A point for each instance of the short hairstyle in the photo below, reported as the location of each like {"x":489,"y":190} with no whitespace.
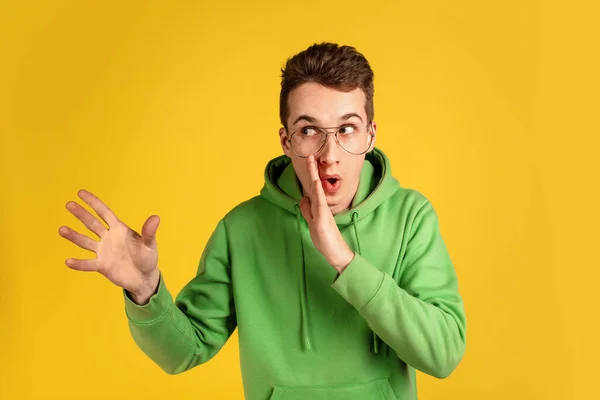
{"x":331,"y":65}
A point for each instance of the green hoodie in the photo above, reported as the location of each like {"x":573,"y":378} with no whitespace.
{"x":305,"y":331}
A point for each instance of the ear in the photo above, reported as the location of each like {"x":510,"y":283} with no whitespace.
{"x":374,"y":133}
{"x":283,"y":140}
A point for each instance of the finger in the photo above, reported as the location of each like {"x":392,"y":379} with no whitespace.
{"x":80,"y":240}
{"x":313,"y":174}
{"x":318,"y":194}
{"x":91,"y":222}
{"x":82,"y":265}
{"x":313,"y":171}
{"x":305,"y":209}
{"x":98,"y":206}
{"x":149,"y":230}
{"x":320,"y":200}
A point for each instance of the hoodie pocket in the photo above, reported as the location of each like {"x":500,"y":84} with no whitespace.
{"x":379,"y":389}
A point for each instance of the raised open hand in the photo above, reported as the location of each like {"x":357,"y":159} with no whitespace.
{"x":123,"y":256}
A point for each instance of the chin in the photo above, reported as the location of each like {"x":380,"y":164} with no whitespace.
{"x":334,"y":200}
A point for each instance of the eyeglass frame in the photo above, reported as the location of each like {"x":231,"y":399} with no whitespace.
{"x":327,"y":133}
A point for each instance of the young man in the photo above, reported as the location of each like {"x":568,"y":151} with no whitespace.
{"x":336,"y":277}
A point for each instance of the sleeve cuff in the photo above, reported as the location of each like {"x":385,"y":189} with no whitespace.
{"x":359,"y":282}
{"x":159,"y":304}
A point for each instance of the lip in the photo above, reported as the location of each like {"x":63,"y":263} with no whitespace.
{"x":331,"y":184}
{"x":326,"y":177}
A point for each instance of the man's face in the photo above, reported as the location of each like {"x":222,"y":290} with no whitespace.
{"x":314,"y":105}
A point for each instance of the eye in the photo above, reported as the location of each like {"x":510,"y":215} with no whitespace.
{"x":308,"y":131}
{"x":347,"y":129}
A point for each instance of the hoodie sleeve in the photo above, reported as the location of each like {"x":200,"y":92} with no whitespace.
{"x":180,"y":335}
{"x":422,"y":316}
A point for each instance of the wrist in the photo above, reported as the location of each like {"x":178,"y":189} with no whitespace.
{"x":343,"y":260}
{"x":141,"y":295}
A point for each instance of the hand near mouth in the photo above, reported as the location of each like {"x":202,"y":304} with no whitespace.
{"x":324,"y":232}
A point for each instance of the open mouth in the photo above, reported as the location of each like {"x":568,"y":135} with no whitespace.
{"x":331,"y":184}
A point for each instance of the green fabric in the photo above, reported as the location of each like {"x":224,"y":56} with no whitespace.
{"x":306,"y":332}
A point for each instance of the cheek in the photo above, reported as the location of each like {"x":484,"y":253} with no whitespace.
{"x":354,"y":173}
{"x":300,"y":169}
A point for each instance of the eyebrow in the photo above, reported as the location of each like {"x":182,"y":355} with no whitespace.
{"x":304,"y":117}
{"x":310,"y":119}
{"x":350,"y":115}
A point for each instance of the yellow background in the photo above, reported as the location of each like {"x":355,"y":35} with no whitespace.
{"x":489,"y":108}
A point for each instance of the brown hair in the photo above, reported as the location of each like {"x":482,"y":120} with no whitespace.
{"x":331,"y":65}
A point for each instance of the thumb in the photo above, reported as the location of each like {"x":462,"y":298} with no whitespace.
{"x":149,"y":230}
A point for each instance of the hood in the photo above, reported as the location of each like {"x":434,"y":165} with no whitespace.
{"x":283,"y":189}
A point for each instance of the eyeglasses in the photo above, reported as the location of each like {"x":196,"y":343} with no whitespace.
{"x":309,"y":140}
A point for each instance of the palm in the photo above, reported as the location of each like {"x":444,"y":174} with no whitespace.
{"x":123,"y":256}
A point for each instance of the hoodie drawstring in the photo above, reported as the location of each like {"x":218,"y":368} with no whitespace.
{"x":303,"y":297}
{"x":354,"y":218}
{"x":306,"y":340}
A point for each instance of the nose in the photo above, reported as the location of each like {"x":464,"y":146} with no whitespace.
{"x":330,"y":153}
